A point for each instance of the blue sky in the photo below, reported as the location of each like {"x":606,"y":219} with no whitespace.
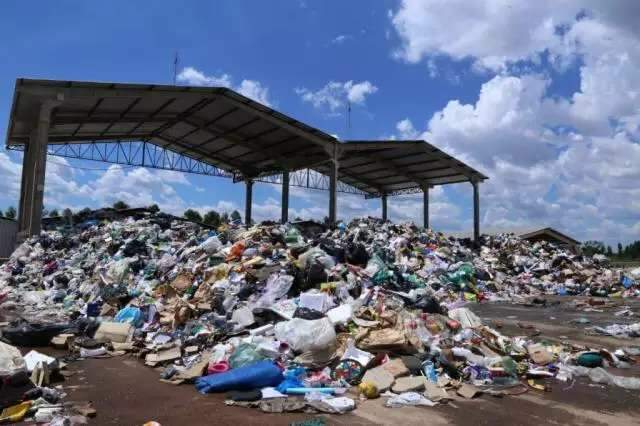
{"x":540,"y":96}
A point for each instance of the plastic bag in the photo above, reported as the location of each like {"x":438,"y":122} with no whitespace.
{"x":33,"y":334}
{"x":462,"y":275}
{"x":292,"y":379}
{"x":166,"y":262}
{"x":11,"y":360}
{"x":278,"y":285}
{"x":118,"y":270}
{"x":211,"y":245}
{"x":257,"y":375}
{"x":408,"y":398}
{"x":236,"y":251}
{"x":316,"y":254}
{"x":377,"y":270}
{"x":465,"y":317}
{"x":130,"y":315}
{"x":600,"y":375}
{"x":245,"y":354}
{"x":306,"y":335}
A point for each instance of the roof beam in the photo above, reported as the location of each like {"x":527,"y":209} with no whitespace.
{"x":251,"y":143}
{"x":324,"y":142}
{"x":390,"y":165}
{"x":88,"y":116}
{"x":267,"y":147}
{"x":227,"y":162}
{"x":129,"y":107}
{"x":152,"y":114}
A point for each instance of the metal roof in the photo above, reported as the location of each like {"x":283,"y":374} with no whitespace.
{"x":222,"y":128}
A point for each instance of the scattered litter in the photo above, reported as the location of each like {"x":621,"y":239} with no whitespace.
{"x":288,"y":317}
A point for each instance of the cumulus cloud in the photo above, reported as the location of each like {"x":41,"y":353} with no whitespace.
{"x":334,"y":95}
{"x":565,"y":161}
{"x":250,"y":88}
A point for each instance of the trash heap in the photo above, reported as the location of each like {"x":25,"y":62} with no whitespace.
{"x":298,"y":317}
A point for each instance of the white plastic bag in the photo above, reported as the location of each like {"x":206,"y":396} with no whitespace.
{"x":600,"y":375}
{"x":408,"y":398}
{"x":340,"y":315}
{"x":465,"y":317}
{"x":278,"y":286}
{"x":306,"y":335}
{"x":11,"y":360}
{"x":211,"y":245}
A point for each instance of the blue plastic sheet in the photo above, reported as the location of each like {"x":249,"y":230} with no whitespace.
{"x":252,"y":376}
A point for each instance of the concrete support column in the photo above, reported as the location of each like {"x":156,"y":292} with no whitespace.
{"x":476,"y":211}
{"x":425,"y":206}
{"x":247,"y":201}
{"x":284,"y":217}
{"x":384,"y":207}
{"x":333,"y":188}
{"x":33,"y":172}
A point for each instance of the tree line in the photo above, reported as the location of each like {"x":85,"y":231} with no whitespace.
{"x":630,"y":251}
{"x":212,"y":217}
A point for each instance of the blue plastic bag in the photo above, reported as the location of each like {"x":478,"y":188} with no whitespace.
{"x":252,"y":376}
{"x":627,"y":282}
{"x":130,"y":315}
{"x":292,"y":379}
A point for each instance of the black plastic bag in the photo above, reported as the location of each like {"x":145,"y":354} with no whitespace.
{"x":32,"y":334}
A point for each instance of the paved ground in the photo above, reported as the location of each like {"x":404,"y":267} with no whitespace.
{"x":126,"y":393}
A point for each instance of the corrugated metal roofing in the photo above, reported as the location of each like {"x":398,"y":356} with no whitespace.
{"x":220,"y":127}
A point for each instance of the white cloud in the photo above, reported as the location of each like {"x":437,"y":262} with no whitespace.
{"x":340,"y":39}
{"x":250,"y":88}
{"x":565,"y":161}
{"x":406,"y":130}
{"x":193,"y":77}
{"x":334,"y":95}
{"x":492,"y":32}
{"x":10,"y":174}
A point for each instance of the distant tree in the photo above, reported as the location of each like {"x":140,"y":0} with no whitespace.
{"x":632,"y":251}
{"x":298,"y":219}
{"x":619,"y":249}
{"x":609,"y":251}
{"x":120,"y":205}
{"x":10,"y":213}
{"x":45,"y":212}
{"x":590,"y":248}
{"x":224,"y":217}
{"x":68,"y":215}
{"x":192,"y":215}
{"x":212,"y":218}
{"x":153,"y":208}
{"x":235,"y":216}
{"x":54,"y":213}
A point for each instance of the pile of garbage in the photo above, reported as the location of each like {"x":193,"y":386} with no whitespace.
{"x":298,"y":317}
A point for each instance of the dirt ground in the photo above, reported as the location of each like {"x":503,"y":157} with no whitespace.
{"x":125,"y":392}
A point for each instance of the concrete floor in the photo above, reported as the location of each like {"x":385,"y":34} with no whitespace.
{"x":124,"y":392}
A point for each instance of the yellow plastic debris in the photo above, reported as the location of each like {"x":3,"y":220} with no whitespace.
{"x":15,"y":413}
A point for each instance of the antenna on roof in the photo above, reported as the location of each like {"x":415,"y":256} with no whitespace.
{"x":175,"y":67}
{"x":348,"y":119}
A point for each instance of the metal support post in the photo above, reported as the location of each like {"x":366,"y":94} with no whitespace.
{"x":425,"y":206}
{"x":284,"y":217}
{"x":333,"y":187}
{"x":476,"y":211}
{"x":384,"y":207}
{"x":248,"y":201}
{"x":33,"y":172}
